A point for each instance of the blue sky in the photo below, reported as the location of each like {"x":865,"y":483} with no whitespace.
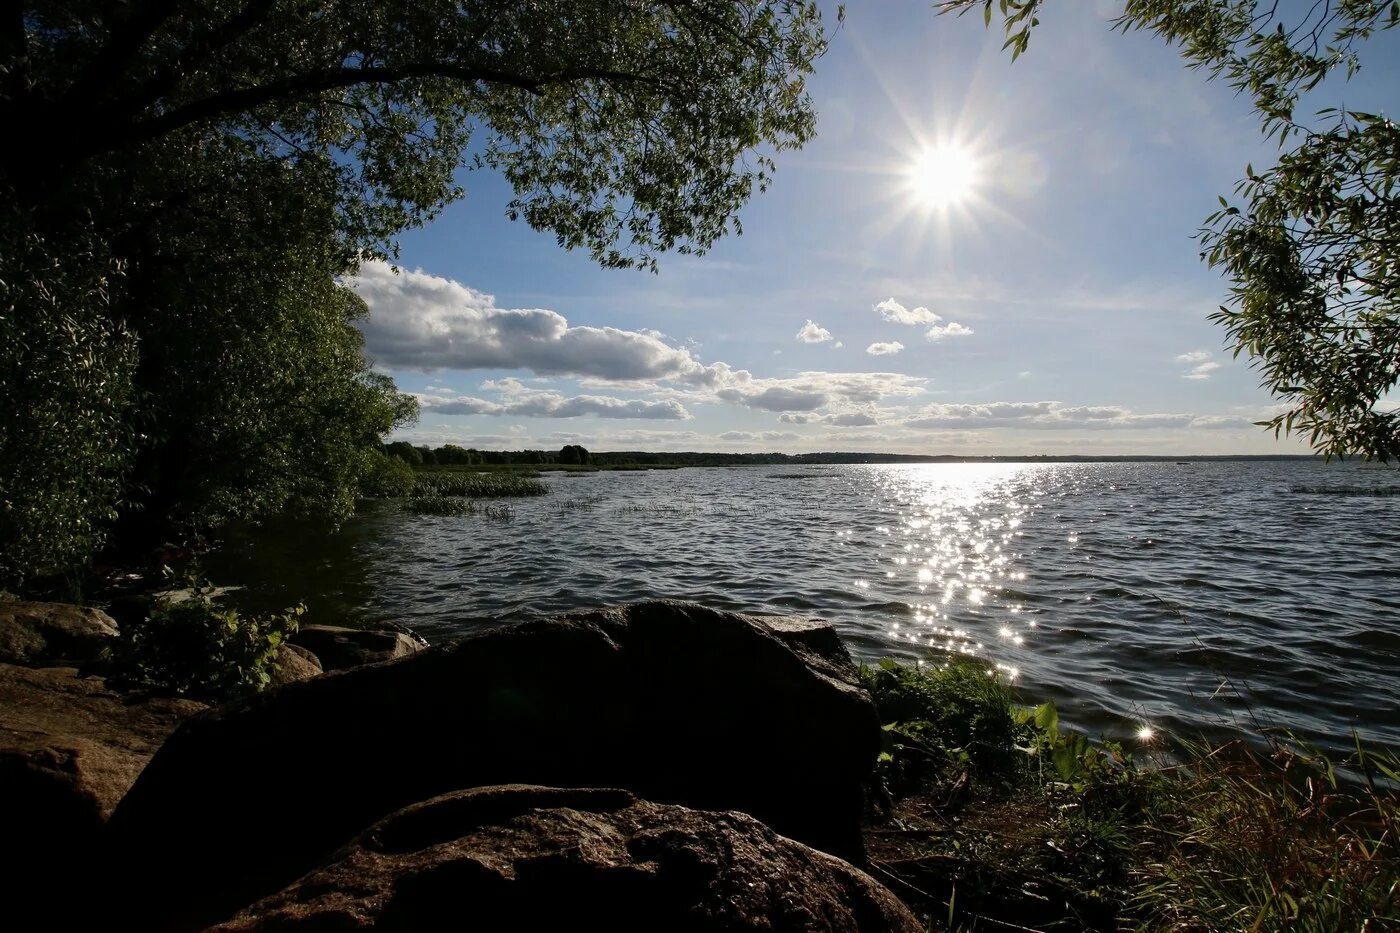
{"x":1059,"y":307}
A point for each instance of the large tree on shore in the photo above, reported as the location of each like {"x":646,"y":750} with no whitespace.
{"x":1312,"y":244}
{"x":186,"y":179}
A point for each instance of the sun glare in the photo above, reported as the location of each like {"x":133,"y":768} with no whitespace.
{"x":943,"y":176}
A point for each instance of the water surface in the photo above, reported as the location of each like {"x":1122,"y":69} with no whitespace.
{"x":1191,"y":597}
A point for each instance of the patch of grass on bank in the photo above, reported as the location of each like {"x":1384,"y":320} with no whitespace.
{"x":440,"y":505}
{"x":477,"y":485}
{"x":986,"y":813}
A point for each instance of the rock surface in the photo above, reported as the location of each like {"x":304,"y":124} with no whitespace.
{"x":673,"y":701}
{"x":52,"y":634}
{"x":536,"y":858}
{"x":339,"y":648}
{"x":294,"y":664}
{"x":69,"y":749}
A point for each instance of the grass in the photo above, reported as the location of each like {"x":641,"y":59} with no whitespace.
{"x":986,"y":813}
{"x":476,"y":485}
{"x":440,"y":505}
{"x":1379,"y":492}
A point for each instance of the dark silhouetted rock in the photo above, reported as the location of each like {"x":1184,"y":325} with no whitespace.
{"x":339,"y":648}
{"x":678,"y":703}
{"x":536,"y":858}
{"x":52,"y":634}
{"x":294,"y":664}
{"x":69,"y":749}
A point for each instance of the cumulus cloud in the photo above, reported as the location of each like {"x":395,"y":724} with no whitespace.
{"x":518,"y":401}
{"x":951,"y":329}
{"x":896,"y":313}
{"x":1201,"y":371}
{"x":884,"y":349}
{"x":1049,"y":415}
{"x":423,"y":321}
{"x":1194,"y":356}
{"x":812,"y":332}
{"x":851,"y":419}
{"x":750,"y":436}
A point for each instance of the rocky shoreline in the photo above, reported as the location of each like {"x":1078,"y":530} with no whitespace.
{"x":654,"y":766}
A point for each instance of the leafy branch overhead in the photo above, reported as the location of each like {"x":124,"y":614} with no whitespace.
{"x":1311,"y":245}
{"x":626,"y":128}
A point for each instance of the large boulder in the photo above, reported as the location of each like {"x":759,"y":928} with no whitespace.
{"x":294,"y":664}
{"x":339,"y":647}
{"x":69,"y":749}
{"x":52,"y":634}
{"x":676,"y":702}
{"x":536,"y":858}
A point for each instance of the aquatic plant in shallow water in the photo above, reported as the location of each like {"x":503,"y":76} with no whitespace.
{"x":477,"y":485}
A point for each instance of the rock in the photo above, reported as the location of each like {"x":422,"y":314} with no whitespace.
{"x":678,"y":703}
{"x":69,"y":749}
{"x":294,"y":664}
{"x":52,"y":634}
{"x":536,"y":858}
{"x":339,"y":648}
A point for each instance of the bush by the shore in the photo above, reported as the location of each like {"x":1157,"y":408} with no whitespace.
{"x":989,"y":810}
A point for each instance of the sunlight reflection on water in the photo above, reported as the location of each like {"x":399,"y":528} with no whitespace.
{"x":1126,"y":592}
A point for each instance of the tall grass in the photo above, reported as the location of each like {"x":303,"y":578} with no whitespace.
{"x":477,"y":485}
{"x":1269,"y":835}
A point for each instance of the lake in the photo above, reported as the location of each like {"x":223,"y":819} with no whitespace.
{"x":1192,"y":597}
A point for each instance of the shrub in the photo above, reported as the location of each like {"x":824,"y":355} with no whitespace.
{"x":386,"y":477}
{"x":195,"y":648}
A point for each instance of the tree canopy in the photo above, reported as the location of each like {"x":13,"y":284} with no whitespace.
{"x":1312,"y":244}
{"x":196,"y":176}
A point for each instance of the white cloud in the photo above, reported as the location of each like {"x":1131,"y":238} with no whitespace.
{"x":837,"y":345}
{"x":951,"y":329}
{"x":1194,"y":356}
{"x":1049,"y":415}
{"x":851,"y":419}
{"x":896,"y":313}
{"x":884,"y":349}
{"x":518,"y":401}
{"x":750,"y":436}
{"x":812,"y":332}
{"x":423,"y":321}
{"x":1202,"y":371}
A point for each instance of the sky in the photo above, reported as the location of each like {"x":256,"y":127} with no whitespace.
{"x":973,"y":257}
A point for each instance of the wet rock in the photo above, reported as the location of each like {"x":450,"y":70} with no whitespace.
{"x":294,"y":664}
{"x":673,"y":701}
{"x":536,"y":858}
{"x":52,"y":634}
{"x":69,"y":749}
{"x":339,"y":648}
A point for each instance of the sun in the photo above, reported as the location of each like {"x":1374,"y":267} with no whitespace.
{"x":943,"y":176}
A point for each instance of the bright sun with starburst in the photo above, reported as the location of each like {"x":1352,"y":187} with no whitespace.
{"x":943,"y":176}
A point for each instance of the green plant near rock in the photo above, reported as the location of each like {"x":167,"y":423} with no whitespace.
{"x":998,"y":816}
{"x":199,"y":649}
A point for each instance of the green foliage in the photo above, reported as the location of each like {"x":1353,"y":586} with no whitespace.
{"x":574,"y":454}
{"x":477,"y":485}
{"x":1312,"y":245}
{"x":940,"y":718}
{"x":386,"y":477}
{"x":440,"y":505}
{"x":1212,"y":838}
{"x":66,"y":380}
{"x":195,"y":648}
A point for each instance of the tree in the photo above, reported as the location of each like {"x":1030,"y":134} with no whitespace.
{"x":574,"y":454}
{"x":196,"y":175}
{"x":1312,"y":246}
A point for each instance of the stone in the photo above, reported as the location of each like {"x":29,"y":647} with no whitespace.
{"x":294,"y":664}
{"x":537,"y":858}
{"x":52,"y":634}
{"x":339,"y":647}
{"x":673,"y":701}
{"x":69,"y":749}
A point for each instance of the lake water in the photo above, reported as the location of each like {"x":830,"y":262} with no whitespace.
{"x":1191,"y":597}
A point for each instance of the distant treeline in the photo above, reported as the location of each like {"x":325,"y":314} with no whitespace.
{"x":573,"y":454}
